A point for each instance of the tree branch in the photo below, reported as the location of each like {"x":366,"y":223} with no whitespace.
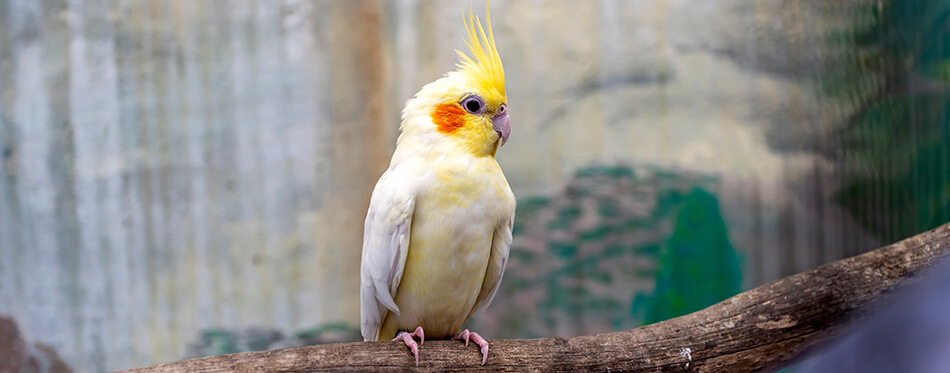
{"x":762,"y":329}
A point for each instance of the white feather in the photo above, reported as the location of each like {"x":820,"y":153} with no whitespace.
{"x":385,"y":246}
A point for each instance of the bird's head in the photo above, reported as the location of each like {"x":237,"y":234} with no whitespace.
{"x":467,"y":109}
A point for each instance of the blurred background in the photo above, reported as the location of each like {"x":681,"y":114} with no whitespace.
{"x":189,"y":178}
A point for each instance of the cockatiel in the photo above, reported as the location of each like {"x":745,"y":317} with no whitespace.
{"x":438,"y":229}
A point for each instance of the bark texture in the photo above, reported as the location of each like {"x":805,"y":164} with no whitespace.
{"x":763,"y":329}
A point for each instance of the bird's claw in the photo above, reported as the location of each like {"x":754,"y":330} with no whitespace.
{"x":465,"y":334}
{"x":407,"y":338}
{"x":481,"y":342}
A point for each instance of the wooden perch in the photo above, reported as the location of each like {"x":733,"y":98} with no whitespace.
{"x":765,"y":328}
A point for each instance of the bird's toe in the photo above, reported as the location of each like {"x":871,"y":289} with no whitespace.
{"x":467,"y":335}
{"x":411,"y":343}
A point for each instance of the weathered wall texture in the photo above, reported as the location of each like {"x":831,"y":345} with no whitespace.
{"x":171,"y":166}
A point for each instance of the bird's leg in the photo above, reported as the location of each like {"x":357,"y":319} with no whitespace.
{"x":481,"y":342}
{"x":406,"y":338}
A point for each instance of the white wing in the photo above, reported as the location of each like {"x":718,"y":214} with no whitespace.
{"x":500,"y":244}
{"x":385,"y":246}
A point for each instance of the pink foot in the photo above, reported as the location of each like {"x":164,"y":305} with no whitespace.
{"x":406,"y":338}
{"x":481,"y":342}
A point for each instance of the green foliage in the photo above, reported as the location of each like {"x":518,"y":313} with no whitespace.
{"x":896,"y":143}
{"x":699,"y":266}
{"x":586,"y":260}
{"x":321,"y":331}
{"x":528,"y":207}
{"x":218,"y":342}
{"x":215,"y":341}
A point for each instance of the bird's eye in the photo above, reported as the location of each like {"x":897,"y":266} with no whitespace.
{"x":473,"y":104}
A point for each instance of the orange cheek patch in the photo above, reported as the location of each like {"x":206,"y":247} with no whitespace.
{"x":448,"y":117}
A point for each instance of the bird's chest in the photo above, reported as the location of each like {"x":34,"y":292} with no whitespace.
{"x":456,"y":217}
{"x":466,"y":202}
{"x":453,"y":226}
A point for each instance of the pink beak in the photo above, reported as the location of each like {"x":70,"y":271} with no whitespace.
{"x":502,"y":124}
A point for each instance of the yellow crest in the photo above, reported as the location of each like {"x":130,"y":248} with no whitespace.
{"x":483,"y":68}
